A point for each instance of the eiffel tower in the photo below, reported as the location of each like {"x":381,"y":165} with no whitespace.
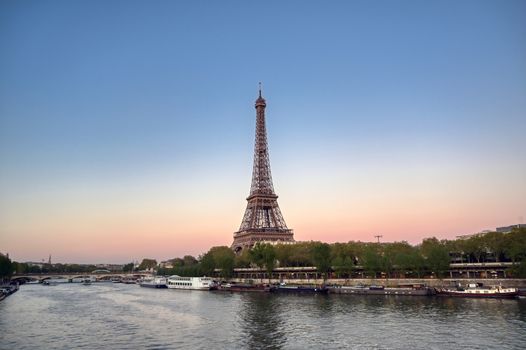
{"x":263,"y":221}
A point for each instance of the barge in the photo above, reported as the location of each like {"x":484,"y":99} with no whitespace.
{"x":244,"y":287}
{"x":477,"y":290}
{"x":415,"y":290}
{"x":284,"y":288}
{"x":153,"y":282}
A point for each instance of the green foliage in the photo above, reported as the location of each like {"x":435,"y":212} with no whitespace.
{"x":128,"y":267}
{"x":436,"y":255}
{"x":475,"y":246}
{"x":147,"y":264}
{"x":6,"y":267}
{"x":189,"y":260}
{"x":372,"y":259}
{"x":284,"y":253}
{"x":243,"y":259}
{"x":514,"y":245}
{"x":264,"y":256}
{"x":207,"y":264}
{"x":301,"y":254}
{"x":321,"y":255}
{"x":338,"y":266}
{"x":222,"y":258}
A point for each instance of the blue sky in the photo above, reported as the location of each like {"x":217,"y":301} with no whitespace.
{"x":112,"y":101}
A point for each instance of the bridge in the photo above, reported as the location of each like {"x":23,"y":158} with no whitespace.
{"x":99,"y":276}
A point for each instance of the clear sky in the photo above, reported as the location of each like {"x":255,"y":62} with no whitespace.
{"x":127,"y":127}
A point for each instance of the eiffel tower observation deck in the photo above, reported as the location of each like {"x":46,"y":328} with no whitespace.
{"x":263,"y":221}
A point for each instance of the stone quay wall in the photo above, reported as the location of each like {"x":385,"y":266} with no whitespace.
{"x":394,"y":282}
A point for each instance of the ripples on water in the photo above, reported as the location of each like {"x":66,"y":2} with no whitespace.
{"x":118,"y":316}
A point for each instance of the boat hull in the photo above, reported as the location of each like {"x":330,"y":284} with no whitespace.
{"x":385,"y":291}
{"x":300,"y":289}
{"x":188,"y":288}
{"x":246,"y":288}
{"x":160,"y":286}
{"x":459,"y":294}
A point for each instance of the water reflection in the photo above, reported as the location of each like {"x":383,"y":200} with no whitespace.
{"x":129,"y":317}
{"x":261,"y":321}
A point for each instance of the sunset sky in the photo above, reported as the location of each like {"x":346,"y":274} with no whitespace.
{"x":127,"y":127}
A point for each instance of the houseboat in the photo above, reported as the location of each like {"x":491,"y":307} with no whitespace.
{"x":286,"y":288}
{"x":477,"y":290}
{"x":412,"y":290}
{"x":153,"y":282}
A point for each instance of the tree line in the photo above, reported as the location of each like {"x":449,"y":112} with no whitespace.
{"x":398,"y":259}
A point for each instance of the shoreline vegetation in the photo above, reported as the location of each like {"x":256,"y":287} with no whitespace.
{"x":429,"y":259}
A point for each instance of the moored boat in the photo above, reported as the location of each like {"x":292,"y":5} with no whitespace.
{"x":477,"y":290}
{"x":153,"y":282}
{"x":7,"y":290}
{"x":285,"y":288}
{"x":412,"y":290}
{"x":192,"y":283}
{"x":244,"y":287}
{"x":129,"y":280}
{"x":56,"y":280}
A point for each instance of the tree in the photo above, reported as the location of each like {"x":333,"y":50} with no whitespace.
{"x":436,"y":255}
{"x":515,"y":245}
{"x":400,"y":256}
{"x":6,"y":267}
{"x":220,"y":257}
{"x":284,"y":253}
{"x":189,"y":260}
{"x":301,"y":254}
{"x":147,"y":264}
{"x":338,"y":266}
{"x":321,"y":256}
{"x":207,"y":264}
{"x":224,"y":259}
{"x":128,"y":267}
{"x":243,"y":259}
{"x":475,"y":247}
{"x":494,"y":243}
{"x":264,"y":256}
{"x":372,"y":259}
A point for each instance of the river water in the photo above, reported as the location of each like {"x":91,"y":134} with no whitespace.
{"x":119,"y":316}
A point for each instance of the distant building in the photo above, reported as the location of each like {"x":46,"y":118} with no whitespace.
{"x":110,"y":267}
{"x":506,"y":229}
{"x":166,"y":264}
{"x":482,"y":233}
{"x":38,"y":264}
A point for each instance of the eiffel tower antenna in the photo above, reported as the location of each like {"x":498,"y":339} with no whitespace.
{"x":263,"y":221}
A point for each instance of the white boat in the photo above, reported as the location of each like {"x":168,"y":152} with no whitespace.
{"x":153,"y":282}
{"x":477,"y":290}
{"x":55,"y":280}
{"x":82,"y":279}
{"x":194,"y":283}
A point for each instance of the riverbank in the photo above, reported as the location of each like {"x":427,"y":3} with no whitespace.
{"x":7,"y":290}
{"x":395,"y":282}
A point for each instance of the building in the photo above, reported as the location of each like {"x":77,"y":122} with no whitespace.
{"x":507,"y":229}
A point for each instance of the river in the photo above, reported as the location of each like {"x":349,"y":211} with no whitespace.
{"x":119,"y":316}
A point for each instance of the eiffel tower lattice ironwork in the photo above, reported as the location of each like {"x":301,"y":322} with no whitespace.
{"x":263,"y":221}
